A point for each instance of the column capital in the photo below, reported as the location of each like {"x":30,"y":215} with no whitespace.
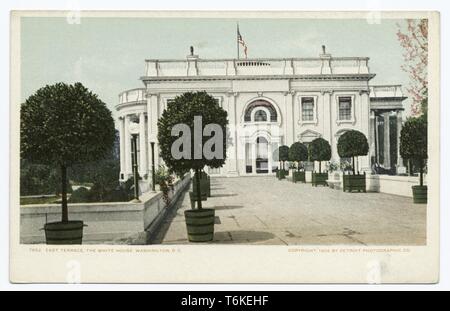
{"x":234,"y":94}
{"x":367,"y":91}
{"x":149,"y":94}
{"x":290,"y":92}
{"x":326,"y":91}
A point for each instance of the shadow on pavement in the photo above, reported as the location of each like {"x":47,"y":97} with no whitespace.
{"x":225,"y":207}
{"x":242,"y":236}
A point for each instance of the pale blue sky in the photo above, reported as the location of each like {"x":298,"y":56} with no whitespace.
{"x":107,"y":54}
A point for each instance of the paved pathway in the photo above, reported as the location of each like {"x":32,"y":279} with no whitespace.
{"x":263,"y":210}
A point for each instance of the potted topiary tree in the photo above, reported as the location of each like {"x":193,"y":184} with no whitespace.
{"x":413,"y":146}
{"x":298,"y":153}
{"x":319,"y":150}
{"x":352,"y":144}
{"x":282,"y":154}
{"x":187,"y":144}
{"x":63,"y":125}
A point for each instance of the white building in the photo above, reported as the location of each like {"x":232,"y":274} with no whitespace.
{"x":270,"y":102}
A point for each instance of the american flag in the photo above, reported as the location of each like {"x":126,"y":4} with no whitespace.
{"x":241,"y":41}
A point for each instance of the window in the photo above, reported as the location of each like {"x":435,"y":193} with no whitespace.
{"x":345,"y":108}
{"x":260,"y":116}
{"x":260,"y":103}
{"x":307,"y":109}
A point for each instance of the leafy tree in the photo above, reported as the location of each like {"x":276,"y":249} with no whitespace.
{"x":62,"y":125}
{"x":319,"y":150}
{"x":352,"y":144}
{"x":413,"y":142}
{"x":298,"y":153}
{"x":183,"y":110}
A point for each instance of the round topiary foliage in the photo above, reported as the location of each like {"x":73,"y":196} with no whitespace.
{"x":319,"y":150}
{"x":413,"y":139}
{"x":183,"y":110}
{"x":298,"y":152}
{"x":352,"y":144}
{"x":283,"y":153}
{"x":62,"y":125}
{"x":414,"y":143}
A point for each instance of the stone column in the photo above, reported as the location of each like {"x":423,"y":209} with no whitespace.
{"x":400,"y":168}
{"x":364,"y":125}
{"x":254,"y":157}
{"x":372,"y":135}
{"x":153,"y":115}
{"x":386,"y":141}
{"x":289,"y":118}
{"x":142,"y":146}
{"x":127,"y":136}
{"x":232,"y":149}
{"x":269,"y":157}
{"x":122,"y":147}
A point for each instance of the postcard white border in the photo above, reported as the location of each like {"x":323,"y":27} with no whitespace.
{"x":229,"y":263}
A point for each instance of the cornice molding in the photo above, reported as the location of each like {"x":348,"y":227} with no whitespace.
{"x":321,"y":77}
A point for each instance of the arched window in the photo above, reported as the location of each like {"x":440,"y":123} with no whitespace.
{"x":260,"y":115}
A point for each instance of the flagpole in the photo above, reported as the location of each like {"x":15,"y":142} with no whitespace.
{"x":237,"y":39}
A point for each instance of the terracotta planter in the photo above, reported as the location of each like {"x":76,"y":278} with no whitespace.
{"x":200,"y":224}
{"x":64,"y":233}
{"x":420,"y":194}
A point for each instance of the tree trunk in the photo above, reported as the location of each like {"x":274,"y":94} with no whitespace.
{"x":353,"y":165}
{"x":320,"y":167}
{"x":199,"y":194}
{"x":421,"y":172}
{"x":65,"y":211}
{"x":298,"y":166}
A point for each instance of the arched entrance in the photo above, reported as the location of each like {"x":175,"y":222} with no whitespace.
{"x":262,"y":159}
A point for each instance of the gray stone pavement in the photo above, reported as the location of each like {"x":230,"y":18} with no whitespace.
{"x":264,"y":210}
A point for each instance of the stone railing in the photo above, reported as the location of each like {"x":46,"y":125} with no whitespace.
{"x":115,"y":222}
{"x":397,"y":185}
{"x":244,"y":67}
{"x":130,"y":96}
{"x":386,"y":91}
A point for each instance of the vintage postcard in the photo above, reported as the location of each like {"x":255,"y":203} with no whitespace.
{"x":224,"y":147}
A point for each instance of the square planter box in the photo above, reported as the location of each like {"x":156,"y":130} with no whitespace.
{"x":355,"y":182}
{"x":281,"y":174}
{"x":298,"y":176}
{"x":319,"y":179}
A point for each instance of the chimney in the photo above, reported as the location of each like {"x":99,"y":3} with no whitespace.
{"x":192,"y":56}
{"x":324,"y":54}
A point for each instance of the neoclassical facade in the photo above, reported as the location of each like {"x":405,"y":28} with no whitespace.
{"x":270,"y":102}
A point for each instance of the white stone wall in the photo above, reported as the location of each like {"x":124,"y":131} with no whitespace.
{"x":105,"y":221}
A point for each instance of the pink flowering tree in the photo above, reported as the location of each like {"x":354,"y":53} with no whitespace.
{"x":414,"y":40}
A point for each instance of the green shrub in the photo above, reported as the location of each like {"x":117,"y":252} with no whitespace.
{"x":80,"y":195}
{"x":298,"y":153}
{"x":319,"y":150}
{"x":183,"y":110}
{"x":352,"y":144}
{"x":414,"y":142}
